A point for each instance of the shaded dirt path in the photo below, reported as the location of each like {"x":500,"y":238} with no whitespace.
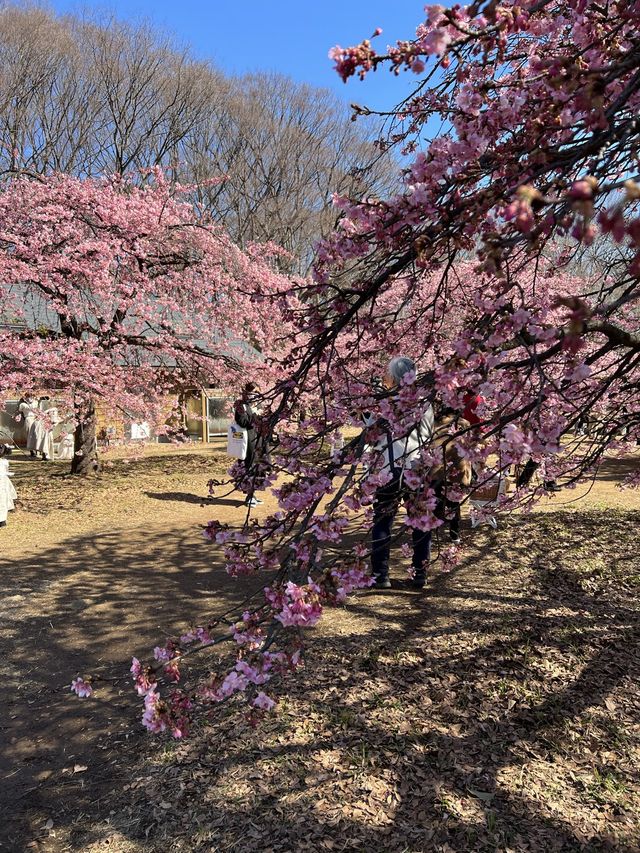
{"x":84,"y":588}
{"x":500,"y":706}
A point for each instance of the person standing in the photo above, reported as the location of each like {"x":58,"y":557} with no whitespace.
{"x":8,"y":494}
{"x":42,"y":430}
{"x":399,"y":452}
{"x":471,"y":401}
{"x":450,"y":470}
{"x":28,"y":414}
{"x":247,"y":417}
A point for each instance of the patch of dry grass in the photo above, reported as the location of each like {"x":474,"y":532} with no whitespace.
{"x":498,"y":711}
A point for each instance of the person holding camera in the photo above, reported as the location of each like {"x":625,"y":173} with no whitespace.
{"x":247,"y":417}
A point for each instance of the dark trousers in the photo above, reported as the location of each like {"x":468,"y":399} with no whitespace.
{"x":385,"y":506}
{"x":448,"y":511}
{"x":249,"y":460}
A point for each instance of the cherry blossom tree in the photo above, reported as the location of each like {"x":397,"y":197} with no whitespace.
{"x":91,"y":95}
{"x":508,"y":264}
{"x":120,"y":294}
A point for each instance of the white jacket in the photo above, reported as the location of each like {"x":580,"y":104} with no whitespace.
{"x":402,"y":452}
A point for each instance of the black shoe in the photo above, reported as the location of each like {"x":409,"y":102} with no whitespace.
{"x":417,"y":581}
{"x":551,"y":486}
{"x":382,"y":583}
{"x":454,"y":536}
{"x":32,"y":454}
{"x":3,"y":523}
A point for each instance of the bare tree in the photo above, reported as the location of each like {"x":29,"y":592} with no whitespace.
{"x":286,"y":148}
{"x":94,"y":97}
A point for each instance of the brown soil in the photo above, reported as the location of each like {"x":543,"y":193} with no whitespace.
{"x":498,"y":710}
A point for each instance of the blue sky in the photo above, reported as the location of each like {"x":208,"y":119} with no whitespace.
{"x":282,"y":35}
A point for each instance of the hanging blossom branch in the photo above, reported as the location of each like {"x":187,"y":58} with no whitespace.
{"x":507,"y":266}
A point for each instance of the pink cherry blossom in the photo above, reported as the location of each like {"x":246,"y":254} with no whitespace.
{"x":263,"y":702}
{"x":81,"y":688}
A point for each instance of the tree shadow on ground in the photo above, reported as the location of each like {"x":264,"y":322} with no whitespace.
{"x":463,"y":717}
{"x":615,"y":470}
{"x":188,"y":497}
{"x":182,"y":497}
{"x":471,"y":726}
{"x":86,"y":607}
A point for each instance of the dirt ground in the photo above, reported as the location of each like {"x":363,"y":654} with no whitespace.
{"x":498,"y":710}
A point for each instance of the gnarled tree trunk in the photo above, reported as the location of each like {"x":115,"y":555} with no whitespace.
{"x":85,"y":448}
